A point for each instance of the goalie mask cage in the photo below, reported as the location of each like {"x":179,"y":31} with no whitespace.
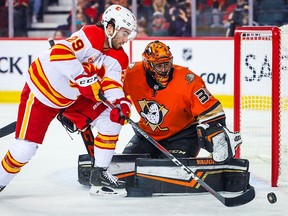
{"x":261,"y":96}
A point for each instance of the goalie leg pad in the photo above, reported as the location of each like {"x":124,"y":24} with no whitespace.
{"x":219,"y":141}
{"x":122,"y":166}
{"x":164,"y":177}
{"x":85,"y":163}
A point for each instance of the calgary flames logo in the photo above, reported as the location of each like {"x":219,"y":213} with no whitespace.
{"x":153,"y":113}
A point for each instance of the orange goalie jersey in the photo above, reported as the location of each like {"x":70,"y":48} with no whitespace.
{"x":162,"y":117}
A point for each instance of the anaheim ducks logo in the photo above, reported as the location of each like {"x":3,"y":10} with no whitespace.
{"x":190,"y":77}
{"x":153,"y":113}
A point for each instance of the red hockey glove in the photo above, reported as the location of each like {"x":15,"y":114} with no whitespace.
{"x":121,"y":110}
{"x":89,"y":82}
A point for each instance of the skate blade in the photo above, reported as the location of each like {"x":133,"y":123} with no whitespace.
{"x":107,"y":191}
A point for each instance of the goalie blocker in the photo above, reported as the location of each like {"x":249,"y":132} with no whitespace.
{"x":145,"y":176}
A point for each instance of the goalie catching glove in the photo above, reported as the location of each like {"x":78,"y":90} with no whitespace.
{"x":120,"y":111}
{"x":219,"y":141}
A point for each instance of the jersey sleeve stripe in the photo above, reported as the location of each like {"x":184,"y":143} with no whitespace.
{"x":61,"y":53}
{"x":41,"y":82}
{"x":108,"y":83}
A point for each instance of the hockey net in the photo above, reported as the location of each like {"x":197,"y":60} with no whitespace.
{"x":261,"y":97}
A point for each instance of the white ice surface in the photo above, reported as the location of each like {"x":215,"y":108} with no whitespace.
{"x":47,"y":185}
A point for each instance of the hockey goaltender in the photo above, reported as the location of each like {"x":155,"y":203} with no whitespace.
{"x":197,"y":121}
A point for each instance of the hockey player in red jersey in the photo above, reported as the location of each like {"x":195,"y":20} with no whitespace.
{"x":176,"y":109}
{"x":92,"y":59}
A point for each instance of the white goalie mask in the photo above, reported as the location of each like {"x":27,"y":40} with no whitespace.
{"x":122,"y":18}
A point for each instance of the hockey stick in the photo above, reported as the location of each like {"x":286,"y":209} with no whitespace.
{"x":241,"y":199}
{"x":8,"y":129}
{"x":51,"y":42}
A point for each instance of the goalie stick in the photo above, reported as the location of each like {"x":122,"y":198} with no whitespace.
{"x":241,"y":199}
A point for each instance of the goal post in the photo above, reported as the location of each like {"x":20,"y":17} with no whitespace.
{"x":261,"y":96}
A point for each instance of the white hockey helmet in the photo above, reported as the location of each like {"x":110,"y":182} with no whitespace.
{"x":122,"y":18}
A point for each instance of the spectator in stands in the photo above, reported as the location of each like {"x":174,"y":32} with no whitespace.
{"x":180,"y":24}
{"x":221,"y":4}
{"x":146,"y":2}
{"x":141,"y":28}
{"x":21,"y":19}
{"x":58,"y":34}
{"x":204,"y":14}
{"x":159,"y":6}
{"x":239,"y":17}
{"x":3,"y":18}
{"x":123,"y":3}
{"x":62,"y":31}
{"x":36,"y":9}
{"x":227,"y":14}
{"x":100,"y":9}
{"x":81,"y":18}
{"x":144,"y":11}
{"x":159,"y":26}
{"x":90,"y":10}
{"x":216,"y":14}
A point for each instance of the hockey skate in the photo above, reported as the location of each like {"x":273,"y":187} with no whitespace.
{"x":104,"y":183}
{"x":2,"y":188}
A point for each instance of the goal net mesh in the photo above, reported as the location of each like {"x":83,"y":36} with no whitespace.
{"x":255,"y":91}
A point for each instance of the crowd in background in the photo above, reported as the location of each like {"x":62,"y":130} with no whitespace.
{"x":155,"y":17}
{"x":25,"y":12}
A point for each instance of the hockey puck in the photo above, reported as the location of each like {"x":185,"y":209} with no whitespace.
{"x":271,"y":197}
{"x":139,"y":192}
